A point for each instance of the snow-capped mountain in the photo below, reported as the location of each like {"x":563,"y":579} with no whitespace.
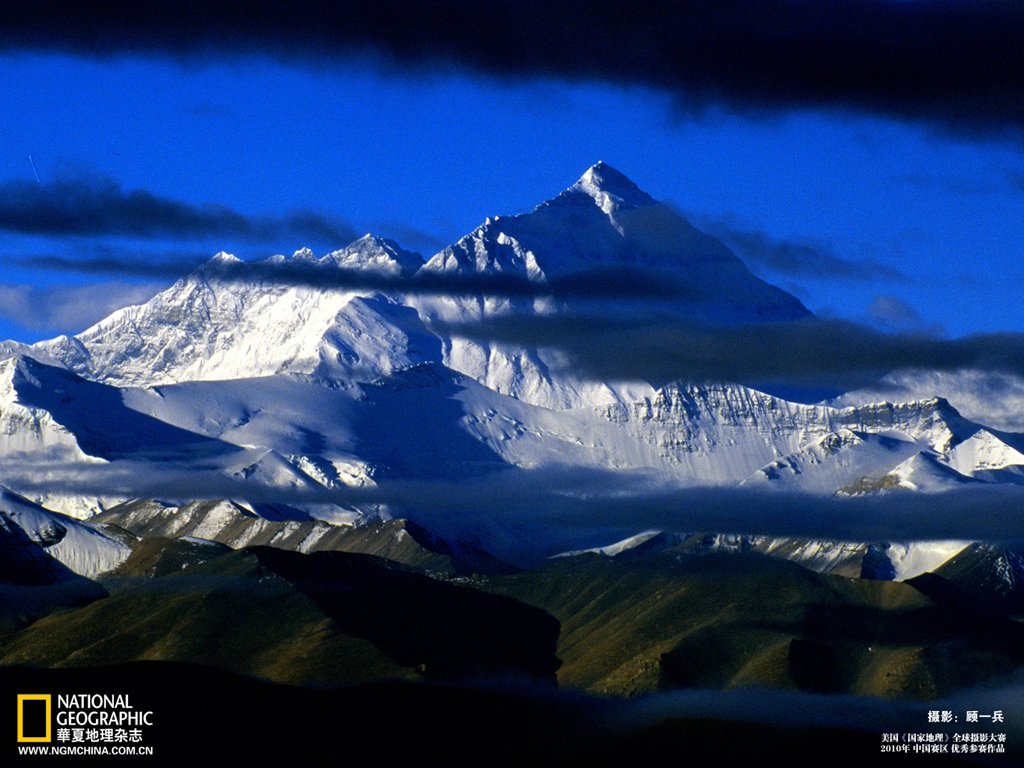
{"x":300,"y":388}
{"x":601,"y":223}
{"x":205,"y":328}
{"x":79,"y":546}
{"x":993,"y":398}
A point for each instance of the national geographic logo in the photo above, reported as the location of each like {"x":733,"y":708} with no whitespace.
{"x":35,"y":711}
{"x":81,"y":718}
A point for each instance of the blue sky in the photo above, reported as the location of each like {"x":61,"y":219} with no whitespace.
{"x":425,"y":155}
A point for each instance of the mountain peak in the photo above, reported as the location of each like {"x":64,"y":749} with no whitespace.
{"x":610,"y":189}
{"x":376,"y":253}
{"x":374,"y":239}
{"x":216,"y":263}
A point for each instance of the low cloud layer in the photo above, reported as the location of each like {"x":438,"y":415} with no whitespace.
{"x":638,"y":344}
{"x":830,"y":353}
{"x":957,"y":64}
{"x":594,"y":284}
{"x":545,"y":510}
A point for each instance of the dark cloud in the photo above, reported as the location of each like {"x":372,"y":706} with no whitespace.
{"x":800,"y":259}
{"x":812,"y":352}
{"x":649,"y":339}
{"x":96,"y":206}
{"x":93,"y":206}
{"x":595,"y":284}
{"x":631,"y":342}
{"x":958,"y":64}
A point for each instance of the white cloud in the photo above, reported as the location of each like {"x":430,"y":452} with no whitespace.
{"x":66,"y":308}
{"x":892,"y":313}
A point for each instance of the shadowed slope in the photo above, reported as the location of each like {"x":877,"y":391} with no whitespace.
{"x":327,"y":618}
{"x":726,"y":621}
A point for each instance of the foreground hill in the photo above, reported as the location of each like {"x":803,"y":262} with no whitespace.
{"x":319,"y":619}
{"x":673,"y":620}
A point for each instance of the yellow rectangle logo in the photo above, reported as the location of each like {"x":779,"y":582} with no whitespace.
{"x":37,"y":731}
